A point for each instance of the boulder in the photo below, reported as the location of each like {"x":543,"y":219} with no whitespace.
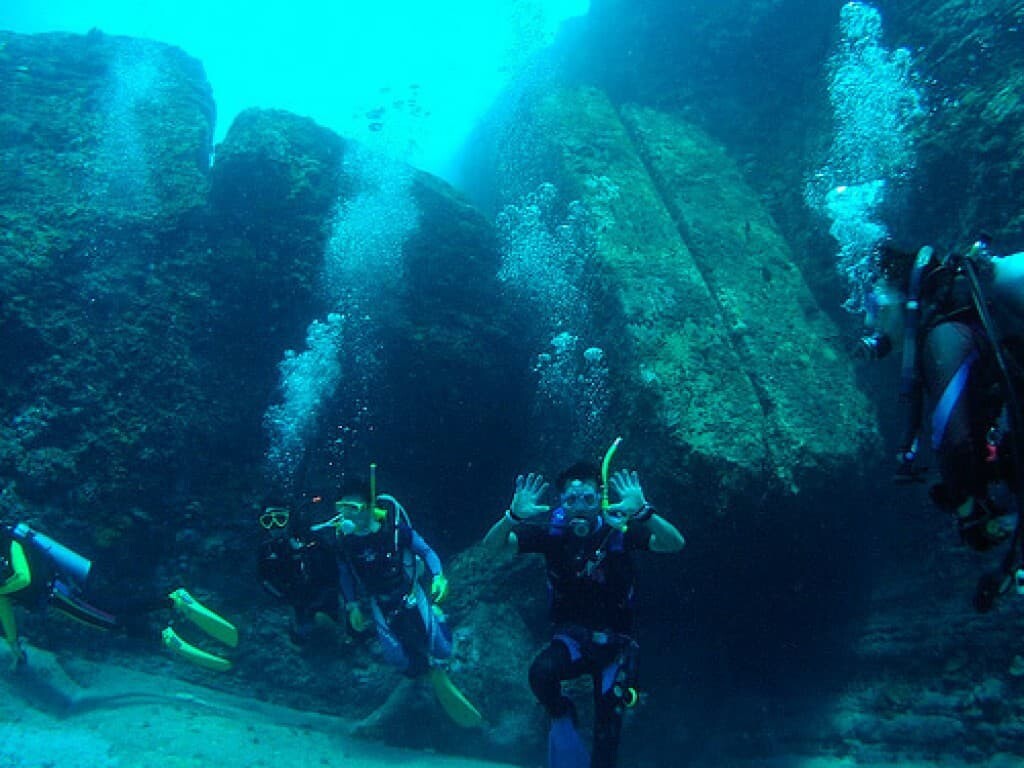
{"x":105,"y":148}
{"x":724,"y":364}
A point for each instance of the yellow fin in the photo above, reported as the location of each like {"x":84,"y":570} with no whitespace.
{"x":212,"y":624}
{"x":452,"y":701}
{"x":191,"y":654}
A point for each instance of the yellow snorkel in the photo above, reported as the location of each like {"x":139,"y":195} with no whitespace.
{"x":378,"y":513}
{"x":373,"y":487}
{"x":613,"y":520}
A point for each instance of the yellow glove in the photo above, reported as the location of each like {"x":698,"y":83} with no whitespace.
{"x":356,"y":620}
{"x":439,"y":588}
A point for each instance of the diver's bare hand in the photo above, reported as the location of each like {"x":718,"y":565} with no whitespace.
{"x":529,"y":490}
{"x":631,"y":496}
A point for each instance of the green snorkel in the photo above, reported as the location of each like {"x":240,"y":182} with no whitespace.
{"x":373,"y":486}
{"x":376,"y":513}
{"x":614,"y":520}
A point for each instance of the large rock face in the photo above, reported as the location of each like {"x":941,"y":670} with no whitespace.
{"x":100,"y":134}
{"x":731,"y":369}
{"x":971,"y":149}
{"x":147,"y":300}
{"x":105,"y":146}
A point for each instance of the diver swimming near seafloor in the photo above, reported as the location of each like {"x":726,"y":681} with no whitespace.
{"x":37,"y":572}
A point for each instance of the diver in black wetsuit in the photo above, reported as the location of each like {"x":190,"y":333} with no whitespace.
{"x":298,"y":568}
{"x":587,"y":545}
{"x":960,"y":321}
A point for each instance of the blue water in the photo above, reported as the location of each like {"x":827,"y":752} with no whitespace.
{"x":413,"y":77}
{"x":457,"y":356}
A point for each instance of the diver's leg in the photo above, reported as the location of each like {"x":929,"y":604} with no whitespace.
{"x":436,"y":631}
{"x":607,"y":713}
{"x":560,"y":660}
{"x":390,"y":644}
{"x":70,"y":602}
{"x":951,"y":366}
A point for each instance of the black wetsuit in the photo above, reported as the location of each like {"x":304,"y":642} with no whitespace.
{"x":592,"y":589}
{"x":379,"y":569}
{"x":958,"y":375}
{"x":304,"y":574}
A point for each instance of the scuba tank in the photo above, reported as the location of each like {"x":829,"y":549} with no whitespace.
{"x":65,"y":560}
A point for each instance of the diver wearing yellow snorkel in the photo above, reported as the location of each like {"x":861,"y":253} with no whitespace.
{"x":38,"y":572}
{"x":381,"y":559}
{"x":586,"y":542}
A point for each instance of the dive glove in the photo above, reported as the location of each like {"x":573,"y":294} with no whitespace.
{"x":439,"y":588}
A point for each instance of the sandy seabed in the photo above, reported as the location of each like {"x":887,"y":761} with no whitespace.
{"x":101,"y":716}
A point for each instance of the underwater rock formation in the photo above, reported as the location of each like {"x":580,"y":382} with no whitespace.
{"x":971,"y":168}
{"x":730,"y":370}
{"x":105,"y":145}
{"x":301,"y":222}
{"x":149,"y":297}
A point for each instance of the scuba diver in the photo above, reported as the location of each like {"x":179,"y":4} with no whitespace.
{"x":37,"y":572}
{"x":381,"y":559}
{"x":298,"y":568}
{"x":959,"y":320}
{"x":587,"y":544}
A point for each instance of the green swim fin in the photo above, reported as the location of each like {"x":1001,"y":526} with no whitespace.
{"x":452,"y":701}
{"x":191,"y":654}
{"x":215,"y":626}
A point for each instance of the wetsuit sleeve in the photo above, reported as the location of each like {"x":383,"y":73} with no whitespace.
{"x":428,"y":555}
{"x":638,"y":537}
{"x":7,"y":622}
{"x":20,"y":576}
{"x":1007,"y":289}
{"x":531,"y":538}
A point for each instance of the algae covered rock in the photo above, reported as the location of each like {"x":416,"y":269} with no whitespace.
{"x":275,"y":170}
{"x":785,"y":343}
{"x":99,"y":133}
{"x":726,"y":367}
{"x":971,"y":151}
{"x":104,"y":146}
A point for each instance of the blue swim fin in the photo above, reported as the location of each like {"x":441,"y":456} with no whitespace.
{"x":565,"y":747}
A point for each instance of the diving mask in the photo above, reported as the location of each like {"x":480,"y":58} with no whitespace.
{"x":274,"y":517}
{"x":355,"y":517}
{"x":584,"y":499}
{"x":351,"y":516}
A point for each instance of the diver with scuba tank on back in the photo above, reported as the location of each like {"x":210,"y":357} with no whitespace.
{"x":37,"y":572}
{"x":381,"y":560}
{"x":957,"y":322}
{"x":587,"y":543}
